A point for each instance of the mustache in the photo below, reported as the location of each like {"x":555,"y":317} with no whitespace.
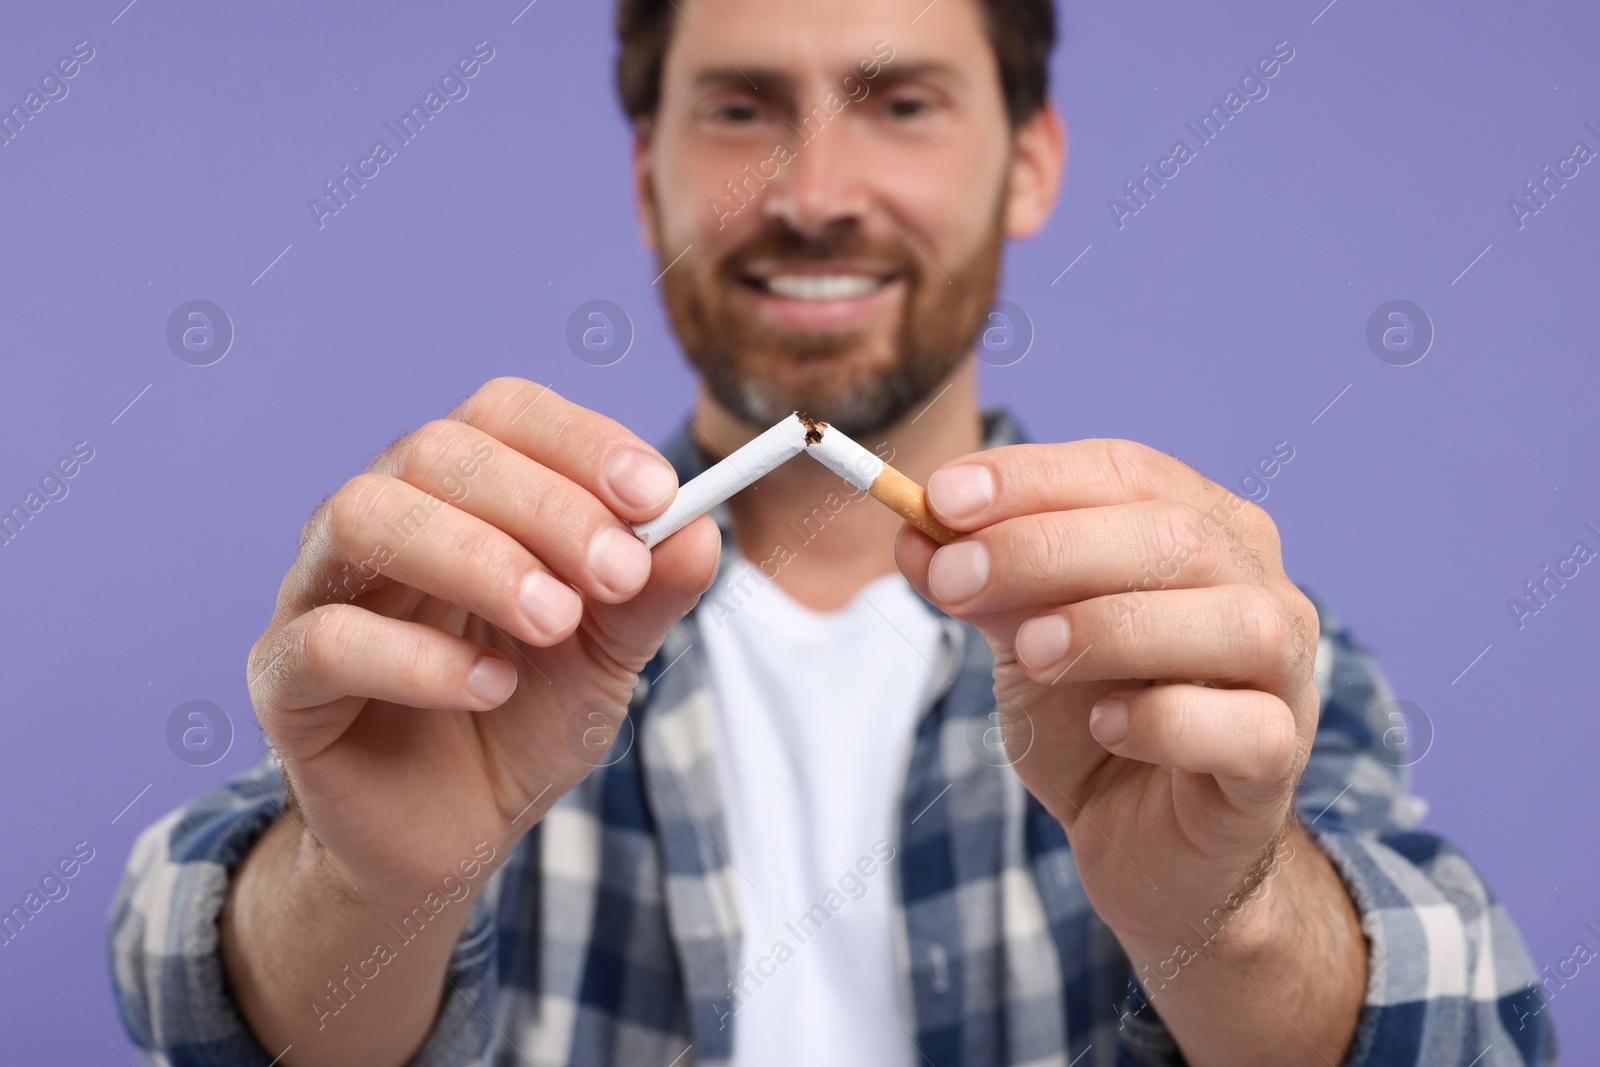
{"x":785,"y":244}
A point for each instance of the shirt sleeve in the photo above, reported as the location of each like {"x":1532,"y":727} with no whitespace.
{"x":164,"y":941}
{"x":1449,"y":978}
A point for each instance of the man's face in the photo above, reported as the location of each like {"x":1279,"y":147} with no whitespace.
{"x":839,"y":175}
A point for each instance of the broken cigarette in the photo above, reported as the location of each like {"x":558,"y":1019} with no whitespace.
{"x":762,"y":455}
{"x":775,"y":447}
{"x":888,"y":486}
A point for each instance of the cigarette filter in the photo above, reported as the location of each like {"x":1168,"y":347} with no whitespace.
{"x":866,"y":471}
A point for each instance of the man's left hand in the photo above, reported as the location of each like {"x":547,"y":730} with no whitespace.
{"x":1154,"y":676}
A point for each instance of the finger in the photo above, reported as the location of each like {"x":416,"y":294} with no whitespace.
{"x":1064,"y":556}
{"x":1002,"y":483}
{"x":340,"y":650}
{"x":404,"y":535}
{"x":913,"y":551}
{"x":1231,"y":634}
{"x":1244,"y":738}
{"x":683,"y":568}
{"x":1022,"y":479}
{"x":600,"y":454}
{"x":565,"y":525}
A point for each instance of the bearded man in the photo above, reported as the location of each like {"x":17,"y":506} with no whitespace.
{"x":1095,"y":783}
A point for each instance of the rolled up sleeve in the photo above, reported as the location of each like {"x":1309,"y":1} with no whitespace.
{"x":1449,"y":977}
{"x":164,"y":940}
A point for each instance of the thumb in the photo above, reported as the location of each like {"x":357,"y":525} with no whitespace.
{"x":681,"y":569}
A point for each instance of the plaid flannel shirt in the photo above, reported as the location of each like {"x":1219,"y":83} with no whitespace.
{"x":611,"y":934}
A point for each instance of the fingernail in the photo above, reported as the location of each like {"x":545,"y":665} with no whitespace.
{"x":1042,"y":642}
{"x":640,"y":480}
{"x":961,"y":491}
{"x":619,"y":561}
{"x":551,"y":606}
{"x":492,"y":680}
{"x":959,"y":572}
{"x":1108,"y":720}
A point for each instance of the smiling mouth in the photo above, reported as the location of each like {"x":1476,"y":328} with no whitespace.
{"x":816,"y":288}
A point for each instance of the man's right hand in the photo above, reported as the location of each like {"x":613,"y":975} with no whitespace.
{"x":457,"y":618}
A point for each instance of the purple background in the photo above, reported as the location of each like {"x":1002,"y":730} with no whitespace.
{"x":1211,"y":325}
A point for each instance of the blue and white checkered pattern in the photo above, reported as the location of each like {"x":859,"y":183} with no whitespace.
{"x":611,"y":935}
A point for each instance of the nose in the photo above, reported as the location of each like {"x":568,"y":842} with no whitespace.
{"x":820,"y":189}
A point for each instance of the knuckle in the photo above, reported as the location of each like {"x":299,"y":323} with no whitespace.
{"x":1263,"y":531}
{"x":1254,"y":626}
{"x":1014,"y":466}
{"x":498,"y":397}
{"x":1183,"y":539}
{"x":1138,"y":452}
{"x":264,"y":666}
{"x":431,"y":448}
{"x":1120,"y":466}
{"x":1182,"y":718}
{"x":1131,"y":631}
{"x":1040,"y":548}
{"x":415,"y":668}
{"x":354,"y":507}
{"x":1126,"y":451}
{"x":1276,"y":745}
{"x":330,"y":637}
{"x":1212,"y":524}
{"x":1270,"y":627}
{"x":1301,"y":655}
{"x":558,"y":514}
{"x":574,"y":430}
{"x":1255,"y":517}
{"x":1304,"y":613}
{"x":386,"y":461}
{"x":1178,"y":538}
{"x":498,"y":392}
{"x":254,"y":660}
{"x":315,"y":523}
{"x":496,"y":564}
{"x":1118,"y":612}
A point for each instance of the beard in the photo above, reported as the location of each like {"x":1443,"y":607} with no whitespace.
{"x":861,"y":380}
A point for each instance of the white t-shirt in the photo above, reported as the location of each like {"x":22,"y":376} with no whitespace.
{"x":814,"y":714}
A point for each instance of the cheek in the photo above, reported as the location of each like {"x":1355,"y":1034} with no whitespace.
{"x":947,"y":197}
{"x":689,"y":176}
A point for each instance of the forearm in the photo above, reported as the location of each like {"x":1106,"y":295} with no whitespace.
{"x":1278,"y":981}
{"x":306,"y":961}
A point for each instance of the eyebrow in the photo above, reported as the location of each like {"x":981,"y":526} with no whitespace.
{"x":773,"y":81}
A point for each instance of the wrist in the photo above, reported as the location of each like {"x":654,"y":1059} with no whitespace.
{"x":342,"y":974}
{"x":1240,"y":928}
{"x":368,"y":872}
{"x":1279,"y":979}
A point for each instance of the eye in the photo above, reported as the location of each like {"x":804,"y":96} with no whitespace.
{"x":907,"y":107}
{"x":734,"y":114}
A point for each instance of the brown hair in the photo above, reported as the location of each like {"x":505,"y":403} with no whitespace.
{"x":1022,"y":33}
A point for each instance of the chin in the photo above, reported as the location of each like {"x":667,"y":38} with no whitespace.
{"x":822,"y":387}
{"x":825,"y":361}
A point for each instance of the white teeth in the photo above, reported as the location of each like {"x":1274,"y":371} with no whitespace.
{"x":822,"y":286}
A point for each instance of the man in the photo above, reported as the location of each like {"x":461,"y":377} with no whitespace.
{"x":530,"y":803}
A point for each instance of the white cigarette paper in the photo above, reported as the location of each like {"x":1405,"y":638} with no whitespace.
{"x":862,"y":469}
{"x":777,"y":446}
{"x":767,"y":452}
{"x":847,"y":459}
